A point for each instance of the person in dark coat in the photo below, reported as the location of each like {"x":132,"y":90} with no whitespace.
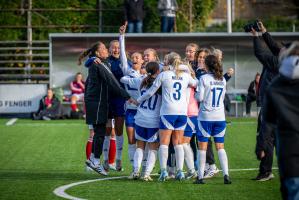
{"x":134,"y":14}
{"x":49,"y":107}
{"x":281,"y":110}
{"x":252,"y":93}
{"x":99,"y":85}
{"x":269,"y":72}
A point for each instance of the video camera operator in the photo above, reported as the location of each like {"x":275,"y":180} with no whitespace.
{"x":265,"y":145}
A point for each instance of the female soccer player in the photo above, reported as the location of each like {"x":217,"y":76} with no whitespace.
{"x":100,"y":78}
{"x":146,"y":121}
{"x":173,"y":113}
{"x":133,"y":72}
{"x":211,"y":117}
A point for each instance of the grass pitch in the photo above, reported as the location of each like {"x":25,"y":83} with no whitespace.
{"x":39,"y":156}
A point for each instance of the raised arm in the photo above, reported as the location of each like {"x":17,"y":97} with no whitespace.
{"x":272,"y":45}
{"x":152,"y":90}
{"x":123,"y":57}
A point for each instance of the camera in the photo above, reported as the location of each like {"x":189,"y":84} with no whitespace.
{"x":254,"y":25}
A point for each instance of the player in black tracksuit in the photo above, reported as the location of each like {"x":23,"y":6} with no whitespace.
{"x":281,"y":110}
{"x":99,"y":84}
{"x":270,"y":71}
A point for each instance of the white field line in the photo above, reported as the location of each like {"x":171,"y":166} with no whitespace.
{"x":11,"y":121}
{"x":60,"y":191}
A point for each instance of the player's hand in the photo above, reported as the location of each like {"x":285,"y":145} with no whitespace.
{"x":97,"y":61}
{"x":254,"y":33}
{"x":262,"y":154}
{"x":122,"y":29}
{"x":230,"y":71}
{"x":133,"y":101}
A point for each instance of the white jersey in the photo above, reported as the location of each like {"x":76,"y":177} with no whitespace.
{"x":148,"y":111}
{"x":128,"y":71}
{"x":210,"y":94}
{"x":174,"y":92}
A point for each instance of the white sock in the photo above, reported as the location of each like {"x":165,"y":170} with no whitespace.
{"x":202,"y":161}
{"x":179,"y":156}
{"x":106,"y":146}
{"x":145,"y":155}
{"x":151,"y":161}
{"x":119,"y":146}
{"x":138,"y":156}
{"x":163,"y":156}
{"x":223,"y":161}
{"x":189,"y":159}
{"x":131,"y":150}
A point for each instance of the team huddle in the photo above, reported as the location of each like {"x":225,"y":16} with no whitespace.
{"x":166,"y":108}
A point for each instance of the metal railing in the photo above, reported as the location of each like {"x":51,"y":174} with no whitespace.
{"x":24,"y":62}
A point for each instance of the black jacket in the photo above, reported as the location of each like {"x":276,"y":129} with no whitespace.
{"x":281,"y":109}
{"x":269,"y":62}
{"x":43,"y":106}
{"x":133,"y":10}
{"x":252,"y":89}
{"x":100,"y":82}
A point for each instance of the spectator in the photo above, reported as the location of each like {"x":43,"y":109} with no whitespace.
{"x":49,"y":107}
{"x":281,"y":110}
{"x":134,"y":14}
{"x":167,"y":9}
{"x":252,"y":93}
{"x":77,"y":87}
{"x":269,"y":71}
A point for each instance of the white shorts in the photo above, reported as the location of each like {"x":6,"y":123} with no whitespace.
{"x":80,"y":97}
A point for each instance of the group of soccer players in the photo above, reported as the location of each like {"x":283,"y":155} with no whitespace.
{"x":171,"y":104}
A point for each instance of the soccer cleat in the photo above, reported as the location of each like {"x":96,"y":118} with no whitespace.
{"x":163,"y":175}
{"x":97,"y":168}
{"x":191,"y":175}
{"x":227,"y":180}
{"x":210,"y":172}
{"x":46,"y":118}
{"x":264,"y":177}
{"x":118,"y":166}
{"x":112,"y":167}
{"x":106,"y":165}
{"x":180,"y":175}
{"x":199,"y":181}
{"x":134,"y":176}
{"x":88,"y":169}
{"x":146,"y":178}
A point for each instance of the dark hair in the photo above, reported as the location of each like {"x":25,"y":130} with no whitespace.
{"x":89,"y":52}
{"x":206,"y":50}
{"x":151,"y":68}
{"x":214,"y":66}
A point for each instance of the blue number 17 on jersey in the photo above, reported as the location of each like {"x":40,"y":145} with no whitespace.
{"x":216,"y":94}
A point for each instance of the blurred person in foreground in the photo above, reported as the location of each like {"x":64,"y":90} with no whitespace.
{"x":281,"y":110}
{"x":269,"y":72}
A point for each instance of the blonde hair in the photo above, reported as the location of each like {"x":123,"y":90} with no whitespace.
{"x":154,"y":52}
{"x":193,"y":45}
{"x":217,"y":52}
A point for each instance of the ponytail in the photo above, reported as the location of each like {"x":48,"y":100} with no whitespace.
{"x":151,"y":68}
{"x":89,"y":52}
{"x":214,"y":66}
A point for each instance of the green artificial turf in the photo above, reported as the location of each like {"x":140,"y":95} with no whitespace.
{"x":39,"y":156}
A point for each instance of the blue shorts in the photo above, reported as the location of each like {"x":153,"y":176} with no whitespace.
{"x":173,"y":122}
{"x":130,"y":118}
{"x":146,"y":134}
{"x":191,"y":127}
{"x":116,"y":108}
{"x":215,"y":129}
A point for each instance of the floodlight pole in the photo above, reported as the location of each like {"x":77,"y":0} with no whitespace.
{"x":29,"y":38}
{"x":229,"y":16}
